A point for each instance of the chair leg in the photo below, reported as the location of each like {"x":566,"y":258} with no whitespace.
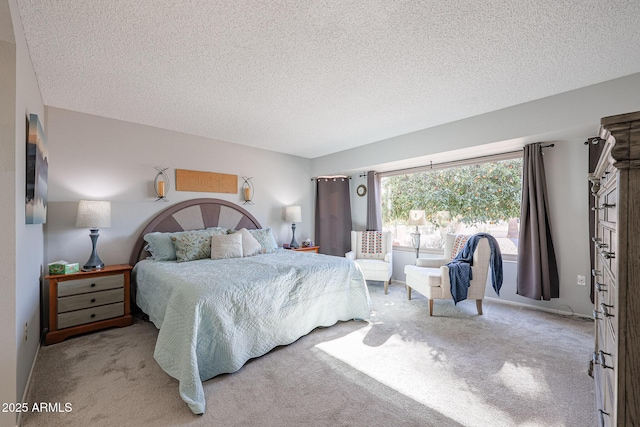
{"x":408,"y":292}
{"x":479,"y":306}
{"x":386,"y":287}
{"x":430,"y":307}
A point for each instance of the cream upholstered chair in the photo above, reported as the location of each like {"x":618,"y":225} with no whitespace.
{"x":372,"y":251}
{"x":430,"y":277}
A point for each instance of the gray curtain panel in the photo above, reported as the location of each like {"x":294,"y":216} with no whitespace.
{"x":374,"y":216}
{"x":537,"y":266}
{"x":333,"y":216}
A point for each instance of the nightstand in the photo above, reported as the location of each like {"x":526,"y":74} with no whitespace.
{"x":307,"y":249}
{"x":88,"y":301}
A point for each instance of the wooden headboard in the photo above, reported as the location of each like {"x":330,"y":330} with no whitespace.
{"x":194,"y":214}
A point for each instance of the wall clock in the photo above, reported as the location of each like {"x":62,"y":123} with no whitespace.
{"x":361,"y":190}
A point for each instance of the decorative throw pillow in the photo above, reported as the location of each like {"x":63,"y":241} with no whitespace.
{"x":250,"y":246}
{"x":371,"y":244}
{"x":264,"y":236}
{"x":192,"y":245}
{"x":222,"y":229}
{"x":160,"y":246}
{"x":458,"y":244}
{"x":226,"y":246}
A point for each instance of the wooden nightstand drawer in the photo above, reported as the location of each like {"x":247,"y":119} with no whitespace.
{"x":307,"y":249}
{"x":93,"y":299}
{"x":88,"y":301}
{"x":90,"y":315}
{"x":90,"y":284}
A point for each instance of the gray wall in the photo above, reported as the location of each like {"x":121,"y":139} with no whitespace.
{"x":103,"y":159}
{"x":575,"y":113}
{"x":568,"y":200}
{"x":8,"y":214}
{"x":21,"y":254}
{"x":567,"y":119}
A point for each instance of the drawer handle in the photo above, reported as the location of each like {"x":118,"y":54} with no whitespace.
{"x":93,"y":315}
{"x":608,"y":255}
{"x":93,"y":285}
{"x":595,"y":315}
{"x":601,"y":245}
{"x":603,"y":361}
{"x":93,"y":300}
{"x":604,"y":308}
{"x":595,"y":272}
{"x":601,"y":287}
{"x":595,"y":239}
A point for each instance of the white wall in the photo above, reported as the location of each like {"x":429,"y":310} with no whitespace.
{"x":103,"y":159}
{"x":567,"y":119}
{"x":22,"y":264}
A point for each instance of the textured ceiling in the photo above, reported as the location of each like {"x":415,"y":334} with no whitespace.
{"x":310,"y":77}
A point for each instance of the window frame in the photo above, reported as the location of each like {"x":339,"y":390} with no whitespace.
{"x":447,"y":165}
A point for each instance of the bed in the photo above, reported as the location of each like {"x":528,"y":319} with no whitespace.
{"x":213,"y":315}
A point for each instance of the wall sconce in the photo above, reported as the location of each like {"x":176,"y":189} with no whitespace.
{"x":247,"y":190}
{"x":161,"y":184}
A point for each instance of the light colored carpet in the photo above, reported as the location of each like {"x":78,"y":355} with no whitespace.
{"x":510,"y":367}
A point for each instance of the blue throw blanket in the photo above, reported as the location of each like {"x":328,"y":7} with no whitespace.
{"x":460,"y":274}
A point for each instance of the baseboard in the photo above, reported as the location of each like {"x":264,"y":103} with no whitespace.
{"x":26,"y":389}
{"x":548,"y":310}
{"x":521,"y":304}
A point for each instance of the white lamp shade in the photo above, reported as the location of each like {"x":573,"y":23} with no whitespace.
{"x":417,"y":217}
{"x":293,"y":214}
{"x":93,"y":214}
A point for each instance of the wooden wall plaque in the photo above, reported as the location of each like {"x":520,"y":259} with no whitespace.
{"x":211,"y":182}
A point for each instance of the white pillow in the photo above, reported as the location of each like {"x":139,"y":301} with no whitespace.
{"x":226,"y":246}
{"x":250,"y":246}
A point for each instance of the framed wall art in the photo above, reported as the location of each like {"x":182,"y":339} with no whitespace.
{"x":37,"y":171}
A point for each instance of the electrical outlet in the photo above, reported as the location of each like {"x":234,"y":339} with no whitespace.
{"x":26,"y":330}
{"x":581,"y":281}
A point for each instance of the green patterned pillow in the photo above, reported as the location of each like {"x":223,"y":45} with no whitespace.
{"x":264,"y":236}
{"x":193,"y":245}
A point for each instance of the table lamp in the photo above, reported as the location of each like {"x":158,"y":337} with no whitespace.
{"x":93,"y":214}
{"x":293,"y":214}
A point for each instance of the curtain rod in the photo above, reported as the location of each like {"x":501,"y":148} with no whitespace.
{"x":465,"y":162}
{"x":334,"y":177}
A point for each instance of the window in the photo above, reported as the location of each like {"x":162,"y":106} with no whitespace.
{"x":463,"y":197}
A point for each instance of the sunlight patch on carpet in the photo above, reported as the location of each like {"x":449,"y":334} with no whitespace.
{"x":524,"y":381}
{"x":418,"y":372}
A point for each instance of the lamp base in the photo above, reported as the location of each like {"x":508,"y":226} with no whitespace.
{"x":92,"y":267}
{"x":294,"y":244}
{"x":94,"y":262}
{"x":415,"y":241}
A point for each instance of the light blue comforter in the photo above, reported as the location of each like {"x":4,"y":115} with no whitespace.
{"x":214,"y":315}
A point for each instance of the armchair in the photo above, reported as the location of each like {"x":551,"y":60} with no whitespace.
{"x":372,"y":251}
{"x":430,"y":277}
